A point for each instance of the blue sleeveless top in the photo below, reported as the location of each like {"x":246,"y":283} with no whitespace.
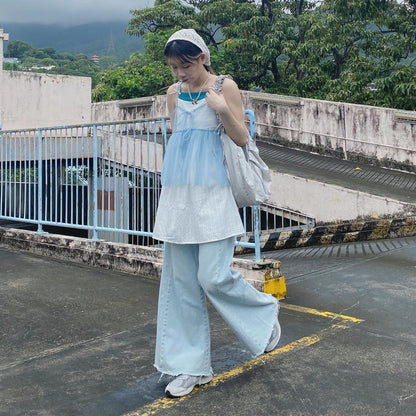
{"x":196,"y":203}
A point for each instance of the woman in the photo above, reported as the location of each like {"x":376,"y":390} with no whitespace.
{"x":198,"y":220}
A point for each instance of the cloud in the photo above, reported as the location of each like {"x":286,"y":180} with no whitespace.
{"x":68,"y":12}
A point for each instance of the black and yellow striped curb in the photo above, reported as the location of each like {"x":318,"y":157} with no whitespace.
{"x":339,"y":233}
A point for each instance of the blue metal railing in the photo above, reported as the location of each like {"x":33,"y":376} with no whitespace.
{"x":245,"y":241}
{"x":101,"y":178}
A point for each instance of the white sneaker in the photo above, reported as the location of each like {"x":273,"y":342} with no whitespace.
{"x":275,"y":336}
{"x":184,"y":384}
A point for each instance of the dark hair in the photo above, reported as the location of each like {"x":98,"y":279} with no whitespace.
{"x":185,"y":52}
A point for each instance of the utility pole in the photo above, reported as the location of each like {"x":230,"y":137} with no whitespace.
{"x":3,"y":37}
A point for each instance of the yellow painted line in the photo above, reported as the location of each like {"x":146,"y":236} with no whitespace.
{"x":325,"y":314}
{"x":165,"y":403}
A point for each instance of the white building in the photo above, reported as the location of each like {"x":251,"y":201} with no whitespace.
{"x":41,"y":100}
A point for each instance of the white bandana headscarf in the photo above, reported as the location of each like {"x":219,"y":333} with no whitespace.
{"x":191,"y":36}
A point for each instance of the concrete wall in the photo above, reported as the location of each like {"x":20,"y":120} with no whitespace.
{"x":136,"y":108}
{"x":42,"y":100}
{"x":382,"y":136}
{"x":346,"y":130}
{"x":330,"y":204}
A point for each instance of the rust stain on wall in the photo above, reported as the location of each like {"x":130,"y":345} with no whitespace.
{"x":105,"y":200}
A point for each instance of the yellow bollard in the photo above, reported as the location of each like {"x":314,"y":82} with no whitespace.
{"x":274,"y":283}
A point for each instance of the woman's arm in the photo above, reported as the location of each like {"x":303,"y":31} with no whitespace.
{"x":229,"y":107}
{"x":171,"y":99}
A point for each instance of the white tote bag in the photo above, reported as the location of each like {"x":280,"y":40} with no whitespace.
{"x":249,"y":176}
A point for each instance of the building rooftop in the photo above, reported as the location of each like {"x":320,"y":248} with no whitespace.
{"x":80,"y":340}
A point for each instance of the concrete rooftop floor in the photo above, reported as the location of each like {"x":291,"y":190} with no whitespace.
{"x":78,"y":340}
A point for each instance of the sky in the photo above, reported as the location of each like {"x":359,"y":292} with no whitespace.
{"x":68,"y":12}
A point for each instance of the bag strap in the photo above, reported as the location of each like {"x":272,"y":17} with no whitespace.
{"x":217,"y":86}
{"x":178,"y":90}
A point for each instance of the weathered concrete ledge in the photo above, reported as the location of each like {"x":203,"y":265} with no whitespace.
{"x":143,"y":261}
{"x":138,"y":260}
{"x":147,"y":261}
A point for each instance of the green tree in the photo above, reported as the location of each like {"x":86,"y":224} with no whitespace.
{"x":329,"y":49}
{"x":397,"y":86}
{"x":28,"y":62}
{"x":325,"y":49}
{"x":47,"y":62}
{"x":50,"y":52}
{"x":18,"y":49}
{"x":397,"y":90}
{"x":339,"y":50}
{"x":64,"y":63}
{"x":144,"y":74}
{"x":208,"y":17}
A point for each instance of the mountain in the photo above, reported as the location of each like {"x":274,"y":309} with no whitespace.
{"x":102,"y":38}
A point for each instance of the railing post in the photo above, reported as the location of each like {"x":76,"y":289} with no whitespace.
{"x":40,"y":181}
{"x":252,"y":122}
{"x":95,"y":183}
{"x":256,"y":233}
{"x":255,"y":208}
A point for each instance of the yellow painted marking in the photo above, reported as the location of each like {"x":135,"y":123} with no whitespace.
{"x":325,"y":314}
{"x":275,"y":286}
{"x":346,"y":322}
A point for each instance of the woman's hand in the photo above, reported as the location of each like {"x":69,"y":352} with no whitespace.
{"x":229,"y":107}
{"x":216,"y":102}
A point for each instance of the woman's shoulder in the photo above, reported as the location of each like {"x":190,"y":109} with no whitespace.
{"x":224,"y":82}
{"x":229,"y":82}
{"x":173,"y":89}
{"x":171,"y":97}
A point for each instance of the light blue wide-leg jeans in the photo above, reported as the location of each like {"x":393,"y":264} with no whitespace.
{"x":191,"y":273}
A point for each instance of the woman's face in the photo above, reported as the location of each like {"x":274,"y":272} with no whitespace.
{"x":188,"y":72}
